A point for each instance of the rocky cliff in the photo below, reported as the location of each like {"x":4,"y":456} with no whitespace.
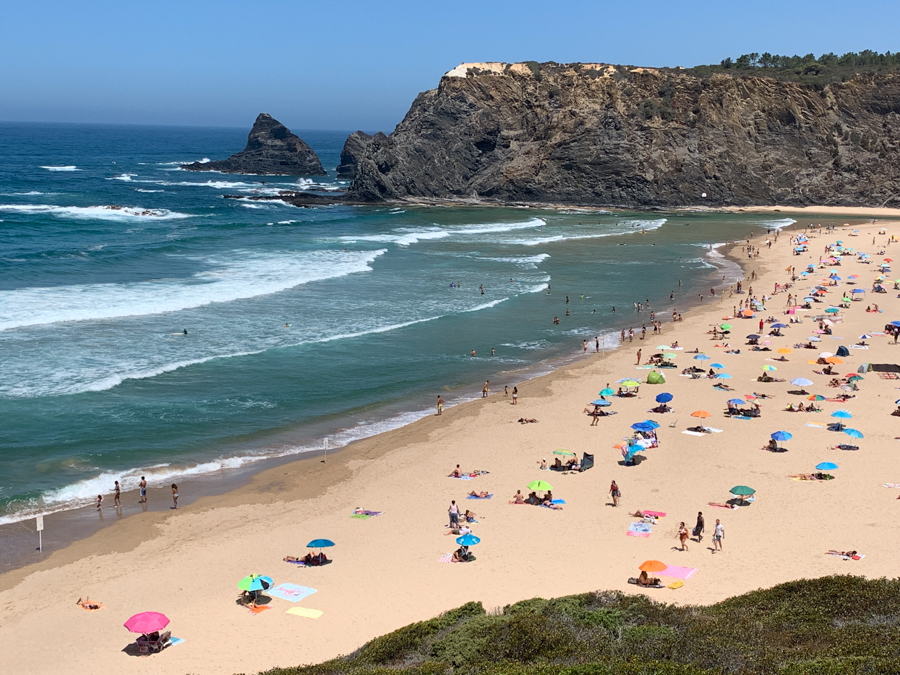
{"x":271,"y":150}
{"x":595,"y":134}
{"x":354,"y":148}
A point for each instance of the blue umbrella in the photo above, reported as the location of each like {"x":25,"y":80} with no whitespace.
{"x":723,"y":376}
{"x":781,"y":436}
{"x":736,"y":401}
{"x":895,"y":323}
{"x":256,"y":582}
{"x":853,"y":433}
{"x":664,"y":397}
{"x":835,"y":277}
{"x":753,"y":336}
{"x":701,"y":357}
{"x":641,"y":426}
{"x":320,"y":543}
{"x":826,"y":466}
{"x":801,"y":382}
{"x":654,"y":424}
{"x":857,"y":290}
{"x":468,"y":540}
{"x":602,"y":402}
{"x":809,"y":298}
{"x":842,"y":414}
{"x":717,"y":365}
{"x":606,"y":391}
{"x":779,"y":325}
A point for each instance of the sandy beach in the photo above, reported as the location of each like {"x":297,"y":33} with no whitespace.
{"x":386,"y":570}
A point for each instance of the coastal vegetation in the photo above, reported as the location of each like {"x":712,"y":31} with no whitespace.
{"x":837,"y":625}
{"x":808,"y":69}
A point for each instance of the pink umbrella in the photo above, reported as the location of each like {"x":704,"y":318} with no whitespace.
{"x":147,"y":622}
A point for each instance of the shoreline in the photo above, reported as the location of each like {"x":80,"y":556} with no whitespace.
{"x":301,"y":498}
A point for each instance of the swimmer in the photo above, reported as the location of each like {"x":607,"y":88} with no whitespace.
{"x":184,"y":332}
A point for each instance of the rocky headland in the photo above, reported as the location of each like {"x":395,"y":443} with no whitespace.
{"x":354,"y":147}
{"x":606,"y":135}
{"x":272,"y":150}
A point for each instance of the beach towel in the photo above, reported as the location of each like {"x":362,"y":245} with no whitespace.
{"x":446,"y":558}
{"x":304,"y":612}
{"x":258,"y":610}
{"x":741,"y":417}
{"x":859,"y":347}
{"x":554,"y":501}
{"x":474,"y":497}
{"x":644,"y":535}
{"x":302,"y":563}
{"x":714,"y":430}
{"x":675,"y":584}
{"x":892,"y":485}
{"x":640,"y":527}
{"x":291,"y":592}
{"x":677,"y":572}
{"x":657,"y":514}
{"x":175,"y":641}
{"x":463,"y":477}
{"x":858,"y":556}
{"x":817,"y":426}
{"x":694,"y":433}
{"x":363,"y":515}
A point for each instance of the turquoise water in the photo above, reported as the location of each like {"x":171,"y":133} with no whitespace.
{"x":98,"y":382}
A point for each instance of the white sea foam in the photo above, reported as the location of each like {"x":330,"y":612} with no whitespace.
{"x":401,"y":239}
{"x":645,"y":225}
{"x":126,"y":213}
{"x":239,"y":275}
{"x":407,"y":237}
{"x":31,"y":193}
{"x":61,"y":168}
{"x":148,"y":191}
{"x":486,"y":305}
{"x":123,"y":176}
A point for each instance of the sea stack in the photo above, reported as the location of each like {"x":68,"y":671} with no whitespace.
{"x":354,"y":148}
{"x":272,"y":150}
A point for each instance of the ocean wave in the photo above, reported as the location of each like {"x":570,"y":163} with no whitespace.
{"x":61,"y":168}
{"x":123,"y":176}
{"x":486,"y":305}
{"x":407,"y":237}
{"x":237,"y":276}
{"x":148,"y":191}
{"x":95,"y":212}
{"x":30,"y":193}
{"x":402,"y":239}
{"x":637,"y":227}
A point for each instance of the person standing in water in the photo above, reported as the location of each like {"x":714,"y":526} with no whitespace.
{"x":143,"y":486}
{"x":184,"y":332}
{"x":485,"y":389}
{"x":440,"y":405}
{"x":175,"y":496}
{"x":117,"y":500}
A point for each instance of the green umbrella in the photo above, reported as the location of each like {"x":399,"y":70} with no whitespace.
{"x":725,"y":326}
{"x":607,"y":392}
{"x":768,"y":367}
{"x":564,"y":452}
{"x":742,"y":490}
{"x":539,"y":486}
{"x":631,"y":383}
{"x":670,"y":355}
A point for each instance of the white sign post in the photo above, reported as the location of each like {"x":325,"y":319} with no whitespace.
{"x":40,"y":530}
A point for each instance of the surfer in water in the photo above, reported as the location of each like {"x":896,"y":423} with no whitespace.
{"x":184,"y":332}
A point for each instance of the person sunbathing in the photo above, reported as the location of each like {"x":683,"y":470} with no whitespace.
{"x":518,"y":498}
{"x":461,"y":554}
{"x":465,"y":529}
{"x":456,"y":473}
{"x":549,"y":504}
{"x":525,"y":420}
{"x":645,"y":579}
{"x":722,"y":387}
{"x":479,"y":495}
{"x":834,"y":382}
{"x":845,"y":554}
{"x":699,"y":429}
{"x":88,"y":604}
{"x":896,"y":413}
{"x":661,"y":408}
{"x":469,"y":516}
{"x":533,"y":499}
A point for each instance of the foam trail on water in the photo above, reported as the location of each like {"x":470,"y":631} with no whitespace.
{"x":95,"y":212}
{"x":240,"y":275}
{"x":61,"y":168}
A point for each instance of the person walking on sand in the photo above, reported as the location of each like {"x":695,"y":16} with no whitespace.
{"x":515,"y":395}
{"x":99,"y":501}
{"x":699,"y":527}
{"x":505,"y":391}
{"x":639,"y":357}
{"x":683,"y":536}
{"x":440,"y":405}
{"x":174,"y":496}
{"x":485,"y":389}
{"x":143,"y":486}
{"x":117,"y":500}
{"x":454,"y":514}
{"x":614,"y":493}
{"x":718,"y":536}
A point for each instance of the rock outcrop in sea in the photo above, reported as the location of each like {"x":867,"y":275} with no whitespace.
{"x":354,"y":147}
{"x":272,"y":150}
{"x":597,"y":134}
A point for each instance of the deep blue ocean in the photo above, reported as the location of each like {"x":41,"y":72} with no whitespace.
{"x":301,"y":323}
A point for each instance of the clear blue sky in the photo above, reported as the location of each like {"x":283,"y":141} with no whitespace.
{"x":349,"y":65}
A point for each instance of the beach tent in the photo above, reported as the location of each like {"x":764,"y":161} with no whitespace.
{"x":883,"y":368}
{"x":843,"y":351}
{"x":655,"y":377}
{"x":587,"y":462}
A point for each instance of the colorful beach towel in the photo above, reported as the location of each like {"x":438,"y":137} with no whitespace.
{"x":694,"y":433}
{"x":643,"y":535}
{"x":446,"y":558}
{"x":892,"y":485}
{"x":291,"y":592}
{"x":639,"y":530}
{"x":474,"y":497}
{"x":302,"y":563}
{"x":304,"y":612}
{"x":364,"y":515}
{"x":656,"y":514}
{"x":677,"y":572}
{"x":258,"y":610}
{"x":175,"y":641}
{"x":817,"y":426}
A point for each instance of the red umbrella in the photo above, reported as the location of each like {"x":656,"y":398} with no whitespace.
{"x":147,"y":622}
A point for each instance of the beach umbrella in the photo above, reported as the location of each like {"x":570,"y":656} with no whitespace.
{"x":725,"y":326}
{"x":742,"y":491}
{"x":853,"y":276}
{"x":641,"y":426}
{"x":664,"y":397}
{"x":631,"y":383}
{"x":320,"y":543}
{"x":836,"y":360}
{"x":779,"y":325}
{"x":700,"y":413}
{"x":468,"y":540}
{"x":853,"y":433}
{"x":254,"y":582}
{"x":606,"y":391}
{"x":564,"y":453}
{"x":813,"y":338}
{"x":723,"y":376}
{"x":747,"y":313}
{"x":785,"y":350}
{"x":653,"y":423}
{"x":539,"y":486}
{"x":816,"y":397}
{"x":855,"y":378}
{"x":753,"y":336}
{"x":664,"y":347}
{"x":809,"y":298}
{"x":701,"y":357}
{"x":602,"y":402}
{"x":769,"y":367}
{"x":781,"y":436}
{"x":716,"y":365}
{"x":842,"y":414}
{"x":653,"y":566}
{"x":886,"y":259}
{"x":736,"y":401}
{"x":858,"y":290}
{"x":895,"y":323}
{"x":147,"y":622}
{"x":669,"y":355}
{"x":826,"y":466}
{"x":801,"y":382}
{"x":832,"y":310}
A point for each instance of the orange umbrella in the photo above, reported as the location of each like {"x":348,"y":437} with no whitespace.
{"x":834,"y":359}
{"x":747,"y":312}
{"x":653,"y":566}
{"x":700,"y":413}
{"x":785,"y":350}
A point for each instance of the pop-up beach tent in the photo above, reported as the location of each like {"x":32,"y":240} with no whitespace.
{"x":655,"y":378}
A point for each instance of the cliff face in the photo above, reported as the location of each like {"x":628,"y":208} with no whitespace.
{"x":272,"y":150}
{"x":354,"y":148}
{"x":611,"y":135}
